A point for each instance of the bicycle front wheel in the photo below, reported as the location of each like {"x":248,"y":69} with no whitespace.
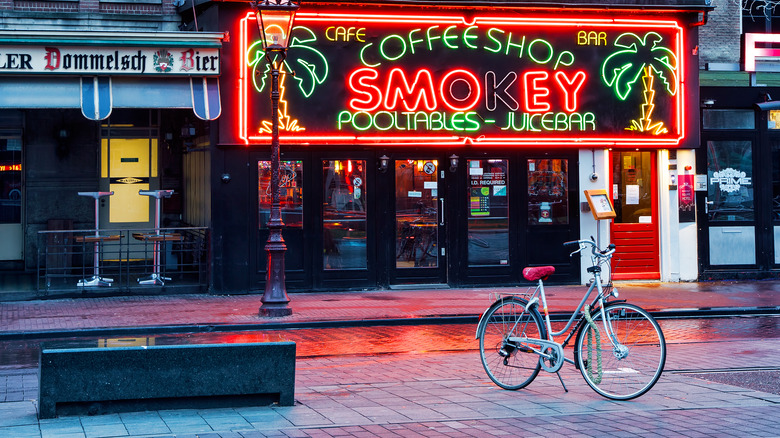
{"x":510,"y":364}
{"x":629,"y":367}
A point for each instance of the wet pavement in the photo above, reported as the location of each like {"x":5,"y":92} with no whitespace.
{"x":361,"y":372}
{"x":219,"y":312}
{"x":428,"y":381}
{"x":409,"y":339}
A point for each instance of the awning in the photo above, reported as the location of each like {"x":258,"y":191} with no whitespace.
{"x":98,"y":95}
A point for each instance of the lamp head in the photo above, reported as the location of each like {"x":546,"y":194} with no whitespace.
{"x":453,"y":162}
{"x":384,"y":161}
{"x":275,"y":22}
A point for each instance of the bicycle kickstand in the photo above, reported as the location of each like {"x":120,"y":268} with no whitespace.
{"x":561,"y":379}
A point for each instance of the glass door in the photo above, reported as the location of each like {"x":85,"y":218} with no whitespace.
{"x":635,"y":229}
{"x":11,"y":198}
{"x":729,"y":206}
{"x":551,"y":214}
{"x":419,"y":221}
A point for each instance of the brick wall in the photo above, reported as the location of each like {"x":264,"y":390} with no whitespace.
{"x":45,"y":6}
{"x":719,"y":39}
{"x":105,"y":15}
{"x":113,"y":7}
{"x":130,"y":9}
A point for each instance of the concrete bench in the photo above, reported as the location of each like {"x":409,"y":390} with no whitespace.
{"x":102,"y":380}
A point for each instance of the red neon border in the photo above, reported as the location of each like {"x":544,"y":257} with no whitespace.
{"x":486,"y":140}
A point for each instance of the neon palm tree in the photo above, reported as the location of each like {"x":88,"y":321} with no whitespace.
{"x":312,"y":72}
{"x":643,"y":57}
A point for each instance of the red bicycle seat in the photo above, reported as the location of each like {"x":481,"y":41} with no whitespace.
{"x":537,"y":272}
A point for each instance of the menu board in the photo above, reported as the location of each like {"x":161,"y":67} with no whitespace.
{"x":600,"y":204}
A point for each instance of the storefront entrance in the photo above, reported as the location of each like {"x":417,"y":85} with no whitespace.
{"x":740,"y":228}
{"x":128,"y":163}
{"x":742,"y":205}
{"x":403,"y":219}
{"x":635,"y":229}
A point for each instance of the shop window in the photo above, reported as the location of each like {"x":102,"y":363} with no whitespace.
{"x":344,"y":214}
{"x":488,"y":212}
{"x":776,"y":181}
{"x":760,"y":17}
{"x":773,"y":119}
{"x":290,"y":193}
{"x":730,"y":181}
{"x":728,"y":119}
{"x":548,"y":192}
{"x":10,"y":179}
{"x":776,"y":197}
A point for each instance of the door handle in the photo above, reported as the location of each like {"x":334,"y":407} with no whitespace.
{"x":441,"y":215}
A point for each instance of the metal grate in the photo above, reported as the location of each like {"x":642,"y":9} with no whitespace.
{"x":117,"y":261}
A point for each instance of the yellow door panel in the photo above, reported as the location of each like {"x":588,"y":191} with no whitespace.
{"x":154,"y":158}
{"x":129,"y":158}
{"x":104,"y":158}
{"x":127,"y":205}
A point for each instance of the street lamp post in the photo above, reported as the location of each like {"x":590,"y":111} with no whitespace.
{"x":275,"y":22}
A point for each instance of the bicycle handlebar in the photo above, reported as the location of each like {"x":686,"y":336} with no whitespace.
{"x":594,"y":248}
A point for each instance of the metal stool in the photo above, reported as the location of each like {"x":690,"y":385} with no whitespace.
{"x":97,"y":239}
{"x":156,"y":277}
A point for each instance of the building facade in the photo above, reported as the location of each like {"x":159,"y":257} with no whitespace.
{"x":426,"y":146}
{"x":739,"y":203}
{"x":97,"y":97}
{"x":422,"y":145}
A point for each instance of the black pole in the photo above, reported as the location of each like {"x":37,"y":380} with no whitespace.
{"x":275,"y":300}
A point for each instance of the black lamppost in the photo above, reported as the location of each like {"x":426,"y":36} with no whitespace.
{"x":275,"y":21}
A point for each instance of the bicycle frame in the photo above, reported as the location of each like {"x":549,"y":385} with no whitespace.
{"x":596,"y":284}
{"x":549,"y":341}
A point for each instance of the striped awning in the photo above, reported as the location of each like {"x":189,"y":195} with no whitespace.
{"x":97,"y":96}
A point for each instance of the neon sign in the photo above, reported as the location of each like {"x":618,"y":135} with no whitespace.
{"x":413,"y":79}
{"x":755,"y":54}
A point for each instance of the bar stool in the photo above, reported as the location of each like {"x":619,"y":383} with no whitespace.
{"x":156,"y":238}
{"x":97,"y":239}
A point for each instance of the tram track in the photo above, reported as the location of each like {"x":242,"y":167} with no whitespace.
{"x":390,"y":322}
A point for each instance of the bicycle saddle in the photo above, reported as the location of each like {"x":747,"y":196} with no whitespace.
{"x":537,"y":272}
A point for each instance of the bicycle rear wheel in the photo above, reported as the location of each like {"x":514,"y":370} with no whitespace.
{"x":510,"y":365}
{"x":631,"y":368}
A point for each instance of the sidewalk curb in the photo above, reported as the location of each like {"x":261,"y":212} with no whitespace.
{"x":705,"y":312}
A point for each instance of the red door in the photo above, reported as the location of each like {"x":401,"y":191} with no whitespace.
{"x":635,"y":229}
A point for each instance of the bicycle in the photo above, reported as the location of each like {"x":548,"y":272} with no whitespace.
{"x":619,"y":347}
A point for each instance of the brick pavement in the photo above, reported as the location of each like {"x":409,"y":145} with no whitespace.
{"x":418,"y":394}
{"x":191,"y":310}
{"x":447,"y":394}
